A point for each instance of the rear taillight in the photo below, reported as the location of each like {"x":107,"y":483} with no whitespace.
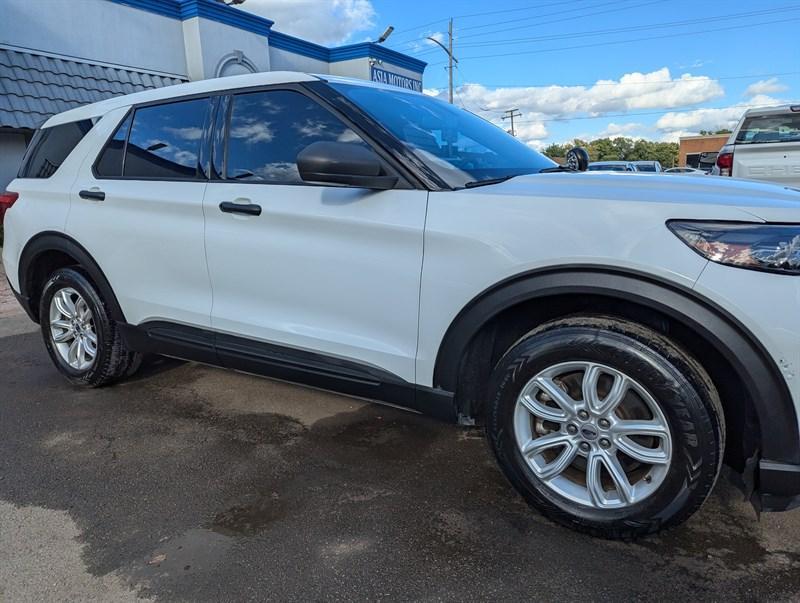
{"x":725,"y":163}
{"x":7,"y":199}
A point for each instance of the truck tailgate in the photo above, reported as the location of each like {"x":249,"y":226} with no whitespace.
{"x":776,"y":162}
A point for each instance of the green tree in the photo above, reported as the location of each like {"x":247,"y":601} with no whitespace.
{"x":556,"y":150}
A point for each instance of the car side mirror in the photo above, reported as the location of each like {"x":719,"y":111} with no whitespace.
{"x":577,"y":159}
{"x":343,"y":163}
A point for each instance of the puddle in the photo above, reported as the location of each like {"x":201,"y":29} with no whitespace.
{"x":249,"y":520}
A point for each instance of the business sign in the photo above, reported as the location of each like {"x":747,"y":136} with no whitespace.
{"x":394,"y":79}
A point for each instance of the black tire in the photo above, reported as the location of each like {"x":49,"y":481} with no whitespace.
{"x":680,"y":386}
{"x":112,"y":361}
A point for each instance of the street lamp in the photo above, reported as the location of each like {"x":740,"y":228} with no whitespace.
{"x":450,"y":58}
{"x":385,"y":35}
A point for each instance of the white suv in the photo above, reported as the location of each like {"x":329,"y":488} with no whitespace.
{"x":618,"y":337}
{"x":765,"y":145}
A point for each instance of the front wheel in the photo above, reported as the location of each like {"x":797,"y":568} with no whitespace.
{"x":606,"y":426}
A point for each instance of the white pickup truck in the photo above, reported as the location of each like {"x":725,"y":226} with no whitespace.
{"x":765,"y":145}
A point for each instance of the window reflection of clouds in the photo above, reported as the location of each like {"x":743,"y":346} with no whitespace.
{"x":252,"y":131}
{"x":311,"y":128}
{"x":166,"y":138}
{"x":191,"y":133}
{"x":269,"y":129}
{"x":279,"y":171}
{"x":348,"y":135}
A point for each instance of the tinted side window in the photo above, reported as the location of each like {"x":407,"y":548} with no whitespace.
{"x":165,"y":140}
{"x":268,"y":130}
{"x":110,"y":161}
{"x":50,"y":147}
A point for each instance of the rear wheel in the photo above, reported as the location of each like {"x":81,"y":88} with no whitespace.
{"x":83,"y":341}
{"x":606,"y":426}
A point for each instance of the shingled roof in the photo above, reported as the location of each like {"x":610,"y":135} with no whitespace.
{"x":35,"y":86}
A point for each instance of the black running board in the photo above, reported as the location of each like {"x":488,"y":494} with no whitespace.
{"x":287,"y":364}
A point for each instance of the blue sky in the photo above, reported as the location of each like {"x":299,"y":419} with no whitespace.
{"x":655,"y":69}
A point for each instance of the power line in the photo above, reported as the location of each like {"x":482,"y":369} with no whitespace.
{"x":421,"y":38}
{"x":615,"y":42}
{"x":699,"y":78}
{"x":558,"y":12}
{"x":623,"y":29}
{"x":470,"y":15}
{"x":570,"y":18}
{"x":662,"y":112}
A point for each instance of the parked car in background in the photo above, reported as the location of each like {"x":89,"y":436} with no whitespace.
{"x":707,"y":161}
{"x":648,"y":166}
{"x":765,"y":145}
{"x":617,"y":338}
{"x":686,"y":171}
{"x":611,"y":166}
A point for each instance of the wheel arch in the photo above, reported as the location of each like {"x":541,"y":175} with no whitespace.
{"x":475,"y":339}
{"x":50,"y":250}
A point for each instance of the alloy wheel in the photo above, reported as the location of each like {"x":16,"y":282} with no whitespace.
{"x":593,"y":435}
{"x":72,"y":329}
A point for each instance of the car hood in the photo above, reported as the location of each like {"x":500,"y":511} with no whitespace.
{"x":764,"y":201}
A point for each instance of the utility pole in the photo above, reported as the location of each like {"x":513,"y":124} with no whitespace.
{"x":511,"y":114}
{"x":450,"y":58}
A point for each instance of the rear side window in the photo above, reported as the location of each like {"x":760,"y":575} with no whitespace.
{"x":770,"y":128}
{"x":110,"y":162}
{"x":164,"y":141}
{"x":268,"y":129}
{"x":50,"y":147}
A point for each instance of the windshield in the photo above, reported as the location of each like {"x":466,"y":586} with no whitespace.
{"x":770,"y":128}
{"x":645,"y":167}
{"x":459,"y":146}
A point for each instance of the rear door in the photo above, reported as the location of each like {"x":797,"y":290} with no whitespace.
{"x":138,"y":210}
{"x":768,"y":148}
{"x":332,"y":270}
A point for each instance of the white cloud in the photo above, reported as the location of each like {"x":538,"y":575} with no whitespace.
{"x":633,"y":91}
{"x":320,"y":21}
{"x":614,"y":130}
{"x":770,"y":86}
{"x":691,"y":122}
{"x":696,"y":64}
{"x":531,"y":133}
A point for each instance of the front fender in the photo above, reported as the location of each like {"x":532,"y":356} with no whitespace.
{"x":765,"y":385}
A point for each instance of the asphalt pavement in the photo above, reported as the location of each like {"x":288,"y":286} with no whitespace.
{"x":189,"y":483}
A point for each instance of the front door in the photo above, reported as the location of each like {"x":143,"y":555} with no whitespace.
{"x":332,"y":270}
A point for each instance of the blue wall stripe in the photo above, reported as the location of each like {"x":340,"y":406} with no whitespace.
{"x":289,"y":43}
{"x":219,"y":12}
{"x":166,"y":8}
{"x":376,"y":51}
{"x":208,"y":9}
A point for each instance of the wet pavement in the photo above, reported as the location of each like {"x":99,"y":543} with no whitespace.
{"x":190,"y":483}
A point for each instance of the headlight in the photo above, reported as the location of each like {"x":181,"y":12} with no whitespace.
{"x":770,"y":247}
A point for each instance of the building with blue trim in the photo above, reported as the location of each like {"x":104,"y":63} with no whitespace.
{"x":59,"y":54}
